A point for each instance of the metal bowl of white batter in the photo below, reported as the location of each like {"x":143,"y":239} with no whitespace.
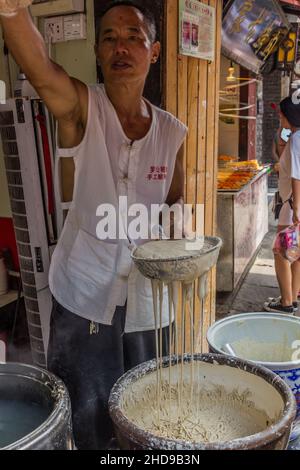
{"x":177,"y":260}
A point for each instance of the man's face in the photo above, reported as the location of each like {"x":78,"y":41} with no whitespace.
{"x":124,"y":49}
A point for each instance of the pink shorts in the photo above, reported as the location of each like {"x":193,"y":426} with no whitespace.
{"x":286,"y":215}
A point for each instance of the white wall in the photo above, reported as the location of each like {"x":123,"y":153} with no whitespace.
{"x":77,"y":57}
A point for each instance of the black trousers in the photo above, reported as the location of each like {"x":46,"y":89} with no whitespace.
{"x":89,"y":365}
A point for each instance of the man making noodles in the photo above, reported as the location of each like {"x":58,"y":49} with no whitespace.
{"x":102,"y":318}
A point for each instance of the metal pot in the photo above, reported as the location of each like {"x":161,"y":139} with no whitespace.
{"x":35,"y":410}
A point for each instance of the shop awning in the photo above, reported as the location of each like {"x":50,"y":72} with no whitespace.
{"x":252,"y":31}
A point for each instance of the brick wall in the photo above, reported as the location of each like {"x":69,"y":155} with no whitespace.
{"x":268,"y":120}
{"x":271,"y":94}
{"x":259,"y":136}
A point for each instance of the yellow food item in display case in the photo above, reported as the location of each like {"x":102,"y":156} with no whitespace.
{"x":233,"y":175}
{"x":227,"y":158}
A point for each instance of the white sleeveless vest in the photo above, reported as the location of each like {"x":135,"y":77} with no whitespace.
{"x":88,"y":276}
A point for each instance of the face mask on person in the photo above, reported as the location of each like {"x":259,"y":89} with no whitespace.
{"x":285,"y":134}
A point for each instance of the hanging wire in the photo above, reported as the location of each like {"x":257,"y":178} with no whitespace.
{"x":222,"y":98}
{"x":249,"y":118}
{"x":239,"y":109}
{"x":239,"y":85}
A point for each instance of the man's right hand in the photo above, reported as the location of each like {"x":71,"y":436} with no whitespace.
{"x":8,"y":7}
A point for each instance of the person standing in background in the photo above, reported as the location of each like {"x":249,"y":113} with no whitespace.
{"x":288,"y":275}
{"x":280,"y":140}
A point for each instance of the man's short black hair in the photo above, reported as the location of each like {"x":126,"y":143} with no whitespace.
{"x":147,"y":14}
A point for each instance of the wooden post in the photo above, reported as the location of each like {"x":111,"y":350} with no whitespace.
{"x":191,"y":92}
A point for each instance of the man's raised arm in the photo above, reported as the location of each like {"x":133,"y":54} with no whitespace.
{"x":65,"y":97}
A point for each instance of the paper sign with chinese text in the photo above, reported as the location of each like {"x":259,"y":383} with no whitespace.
{"x":197,"y":28}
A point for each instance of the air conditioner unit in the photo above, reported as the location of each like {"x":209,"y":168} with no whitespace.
{"x":56,"y":7}
{"x":26,"y":130}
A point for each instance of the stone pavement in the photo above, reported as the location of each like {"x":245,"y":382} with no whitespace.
{"x":259,"y":284}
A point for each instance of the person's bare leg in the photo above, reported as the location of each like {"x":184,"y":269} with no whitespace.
{"x":295,"y":280}
{"x":284,"y":276}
